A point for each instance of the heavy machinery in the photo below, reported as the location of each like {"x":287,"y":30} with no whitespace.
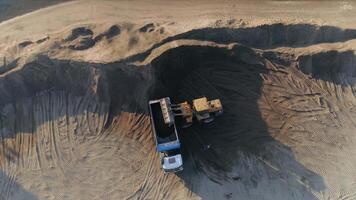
{"x":203,"y":110}
{"x":165,"y":134}
{"x":163,"y":114}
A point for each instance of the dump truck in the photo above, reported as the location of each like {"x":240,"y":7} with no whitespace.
{"x":163,"y":114}
{"x":165,"y":134}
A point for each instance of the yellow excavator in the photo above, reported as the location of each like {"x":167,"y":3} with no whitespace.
{"x":203,"y":110}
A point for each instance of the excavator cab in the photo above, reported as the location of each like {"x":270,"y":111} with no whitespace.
{"x":205,"y":111}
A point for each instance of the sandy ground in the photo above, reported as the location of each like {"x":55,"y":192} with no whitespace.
{"x":13,"y":8}
{"x":75,"y":79}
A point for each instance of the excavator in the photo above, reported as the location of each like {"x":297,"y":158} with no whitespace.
{"x":163,"y":114}
{"x":203,"y":110}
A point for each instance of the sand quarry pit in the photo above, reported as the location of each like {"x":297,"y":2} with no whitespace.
{"x":74,"y":122}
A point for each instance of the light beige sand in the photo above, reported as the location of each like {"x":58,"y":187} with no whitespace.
{"x":75,"y":79}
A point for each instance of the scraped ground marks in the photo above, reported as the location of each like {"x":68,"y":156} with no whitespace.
{"x":268,"y":89}
{"x":56,"y":128}
{"x":235,"y":75}
{"x":292,"y":104}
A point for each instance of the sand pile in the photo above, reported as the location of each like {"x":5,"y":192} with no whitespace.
{"x":74,"y":121}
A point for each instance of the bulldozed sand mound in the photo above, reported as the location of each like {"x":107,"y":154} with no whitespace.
{"x":74,"y":122}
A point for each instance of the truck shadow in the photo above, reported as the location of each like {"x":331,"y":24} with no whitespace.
{"x":236,"y":150}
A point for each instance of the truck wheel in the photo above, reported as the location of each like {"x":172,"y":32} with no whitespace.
{"x":187,"y":125}
{"x":161,"y":156}
{"x":208,"y":120}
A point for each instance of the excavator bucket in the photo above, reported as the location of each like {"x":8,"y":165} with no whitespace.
{"x":167,"y":111}
{"x":187,"y":112}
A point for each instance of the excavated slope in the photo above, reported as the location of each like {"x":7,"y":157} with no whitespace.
{"x":74,"y":129}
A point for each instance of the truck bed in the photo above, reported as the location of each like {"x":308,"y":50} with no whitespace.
{"x":163,"y":132}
